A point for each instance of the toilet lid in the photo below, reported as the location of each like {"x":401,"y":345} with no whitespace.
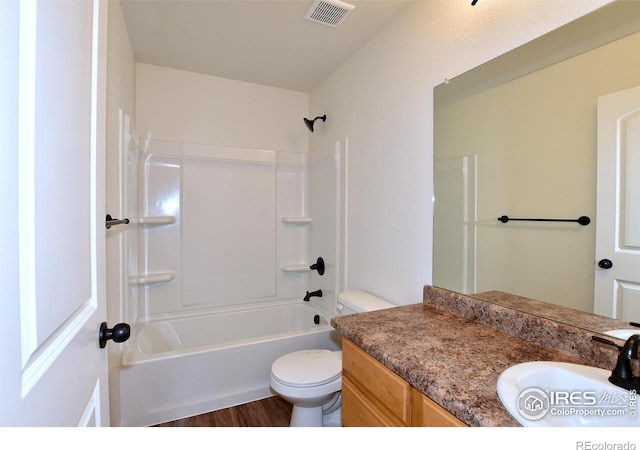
{"x":307,"y":368}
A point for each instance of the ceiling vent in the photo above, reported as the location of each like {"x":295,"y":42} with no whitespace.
{"x":329,"y":12}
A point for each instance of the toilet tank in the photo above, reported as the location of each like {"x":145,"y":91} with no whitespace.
{"x":353,"y":302}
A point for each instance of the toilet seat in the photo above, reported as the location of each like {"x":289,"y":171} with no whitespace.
{"x":307,"y":368}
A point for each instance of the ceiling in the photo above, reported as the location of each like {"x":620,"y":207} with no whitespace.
{"x":263,"y":42}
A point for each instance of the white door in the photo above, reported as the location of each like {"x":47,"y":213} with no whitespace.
{"x":617,"y":278}
{"x":53,"y":372}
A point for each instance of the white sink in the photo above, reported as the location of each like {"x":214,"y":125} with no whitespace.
{"x":547,"y":393}
{"x":622,"y":334}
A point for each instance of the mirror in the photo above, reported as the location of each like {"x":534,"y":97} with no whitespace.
{"x":517,"y":137}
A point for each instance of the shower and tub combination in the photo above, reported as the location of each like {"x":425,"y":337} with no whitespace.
{"x":223,"y":244}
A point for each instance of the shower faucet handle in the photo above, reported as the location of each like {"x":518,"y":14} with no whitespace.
{"x":319,"y":266}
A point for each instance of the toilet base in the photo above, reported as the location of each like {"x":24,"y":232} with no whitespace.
{"x":326,"y":415}
{"x":302,"y":416}
{"x":333,"y":419}
{"x":314,"y":417}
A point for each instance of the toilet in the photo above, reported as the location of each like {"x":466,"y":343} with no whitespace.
{"x":311,"y":380}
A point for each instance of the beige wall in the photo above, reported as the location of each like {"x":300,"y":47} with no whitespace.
{"x":182,"y":106}
{"x":535,"y":141}
{"x":382,"y":101}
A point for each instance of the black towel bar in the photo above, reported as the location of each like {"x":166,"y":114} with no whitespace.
{"x":582,"y":220}
{"x":111,"y":221}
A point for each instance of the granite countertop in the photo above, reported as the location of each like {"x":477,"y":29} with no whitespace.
{"x":452,"y":359}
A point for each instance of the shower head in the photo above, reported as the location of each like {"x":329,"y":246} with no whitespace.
{"x":309,"y":123}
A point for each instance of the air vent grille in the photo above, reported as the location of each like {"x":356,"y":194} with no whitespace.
{"x":328,"y":12}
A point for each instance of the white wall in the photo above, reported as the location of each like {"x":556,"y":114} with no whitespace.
{"x":382,"y":100}
{"x":182,"y":106}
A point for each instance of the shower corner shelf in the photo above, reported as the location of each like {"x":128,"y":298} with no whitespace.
{"x":295,"y":267}
{"x":297,"y":220}
{"x":154,"y":220}
{"x":151,"y":278}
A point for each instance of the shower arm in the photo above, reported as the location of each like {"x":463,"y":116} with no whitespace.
{"x":309,"y":123}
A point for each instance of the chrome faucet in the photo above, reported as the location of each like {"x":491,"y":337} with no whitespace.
{"x":317,"y":293}
{"x":622,"y":375}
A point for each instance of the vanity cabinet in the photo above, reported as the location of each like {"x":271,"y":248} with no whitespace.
{"x":372,"y":395}
{"x":427,"y":413}
{"x":375,"y":396}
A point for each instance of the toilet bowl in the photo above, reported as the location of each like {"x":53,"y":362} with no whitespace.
{"x":311,"y":380}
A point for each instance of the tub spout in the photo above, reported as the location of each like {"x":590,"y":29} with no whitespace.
{"x":317,"y":293}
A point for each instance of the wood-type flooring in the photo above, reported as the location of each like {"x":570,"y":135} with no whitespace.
{"x":270,"y":412}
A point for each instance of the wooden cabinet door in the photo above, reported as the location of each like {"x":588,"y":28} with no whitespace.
{"x":427,"y":413}
{"x":380,"y":384}
{"x":360,"y":411}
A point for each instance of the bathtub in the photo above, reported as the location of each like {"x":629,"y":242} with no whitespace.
{"x":184,"y":366}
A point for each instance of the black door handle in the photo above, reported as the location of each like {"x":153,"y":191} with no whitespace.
{"x":119,"y":333}
{"x":605,"y":264}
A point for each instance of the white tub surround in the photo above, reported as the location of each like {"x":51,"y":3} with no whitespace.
{"x":218,"y":268}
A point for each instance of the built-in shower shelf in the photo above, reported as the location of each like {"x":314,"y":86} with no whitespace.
{"x":154,"y":220}
{"x":295,"y":267}
{"x":297,"y":220}
{"x":151,"y":278}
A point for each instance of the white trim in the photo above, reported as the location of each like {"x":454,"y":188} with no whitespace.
{"x":26,"y":178}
